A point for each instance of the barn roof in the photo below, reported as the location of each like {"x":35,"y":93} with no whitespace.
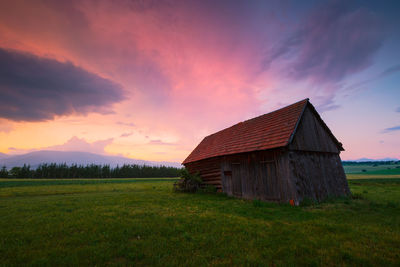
{"x":273,"y":130}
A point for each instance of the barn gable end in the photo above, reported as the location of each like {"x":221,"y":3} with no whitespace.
{"x":312,"y":134}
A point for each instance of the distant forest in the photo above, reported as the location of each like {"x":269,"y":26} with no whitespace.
{"x":54,"y":170}
{"x":374,"y":163}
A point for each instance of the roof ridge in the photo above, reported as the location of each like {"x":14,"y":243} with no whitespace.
{"x":276,"y":110}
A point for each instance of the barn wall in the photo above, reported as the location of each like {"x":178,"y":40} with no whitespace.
{"x":317,"y":175}
{"x":312,"y":136}
{"x":275,"y":175}
{"x":260,"y":175}
{"x":209,"y":170}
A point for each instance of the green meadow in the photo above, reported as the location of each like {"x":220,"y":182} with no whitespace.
{"x":142,"y":222}
{"x":375,"y":168}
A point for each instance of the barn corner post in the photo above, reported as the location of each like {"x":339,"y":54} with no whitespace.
{"x":283,"y":156}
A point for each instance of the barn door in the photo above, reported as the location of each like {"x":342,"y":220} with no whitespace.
{"x":228,"y":182}
{"x":272,"y":189}
{"x":236,"y":180}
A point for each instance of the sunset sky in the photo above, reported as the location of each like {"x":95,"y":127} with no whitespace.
{"x":149,"y":79}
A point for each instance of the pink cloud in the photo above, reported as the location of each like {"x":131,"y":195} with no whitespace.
{"x":191,"y":68}
{"x":159,"y":54}
{"x":73,"y":144}
{"x":80,"y":144}
{"x":160,"y":143}
{"x":126,"y":134}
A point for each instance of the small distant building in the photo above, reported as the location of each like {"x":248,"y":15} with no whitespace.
{"x":283,"y":156}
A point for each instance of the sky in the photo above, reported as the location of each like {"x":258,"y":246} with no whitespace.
{"x":150,"y":79}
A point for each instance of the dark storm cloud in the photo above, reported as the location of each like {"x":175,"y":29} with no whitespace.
{"x":36,"y":89}
{"x":335,"y":40}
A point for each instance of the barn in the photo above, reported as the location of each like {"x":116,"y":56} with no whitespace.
{"x":283,"y":156}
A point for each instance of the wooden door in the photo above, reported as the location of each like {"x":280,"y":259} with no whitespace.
{"x":236,"y":180}
{"x":271,"y":181}
{"x":228,"y":182}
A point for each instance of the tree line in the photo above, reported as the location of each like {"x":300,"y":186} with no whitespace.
{"x":376,"y":163}
{"x":54,"y":170}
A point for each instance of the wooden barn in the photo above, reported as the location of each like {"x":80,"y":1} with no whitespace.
{"x":283,"y":156}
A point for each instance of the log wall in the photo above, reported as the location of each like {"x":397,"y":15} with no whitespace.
{"x":209,"y":170}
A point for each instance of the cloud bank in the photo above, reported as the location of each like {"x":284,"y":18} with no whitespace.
{"x":33,"y":88}
{"x":73,"y":144}
{"x":332,"y":42}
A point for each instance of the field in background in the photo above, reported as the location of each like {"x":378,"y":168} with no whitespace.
{"x":372,"y":168}
{"x":371,"y":176}
{"x":142,"y":222}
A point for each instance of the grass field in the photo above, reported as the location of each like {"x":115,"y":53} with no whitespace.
{"x":142,"y":222}
{"x":373,"y":169}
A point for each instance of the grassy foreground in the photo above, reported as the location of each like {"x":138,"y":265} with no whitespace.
{"x":142,"y":222}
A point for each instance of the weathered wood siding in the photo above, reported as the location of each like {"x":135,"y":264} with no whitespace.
{"x":317,"y":175}
{"x":260,"y":175}
{"x":311,"y":135}
{"x":275,"y":175}
{"x":309,"y":166}
{"x":209,"y":170}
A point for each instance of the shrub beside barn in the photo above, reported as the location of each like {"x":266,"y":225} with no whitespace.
{"x":283,"y":156}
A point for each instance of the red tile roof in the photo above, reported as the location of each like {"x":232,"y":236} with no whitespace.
{"x":267,"y":131}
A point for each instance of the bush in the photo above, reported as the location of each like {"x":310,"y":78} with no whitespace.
{"x":208,"y":188}
{"x":188,"y":182}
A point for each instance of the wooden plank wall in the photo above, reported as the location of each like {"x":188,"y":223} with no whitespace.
{"x":264,"y":175}
{"x":275,"y":175}
{"x":209,"y":170}
{"x":317,"y":175}
{"x":312,"y":136}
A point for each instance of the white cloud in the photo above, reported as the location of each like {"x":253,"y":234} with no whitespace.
{"x":73,"y":144}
